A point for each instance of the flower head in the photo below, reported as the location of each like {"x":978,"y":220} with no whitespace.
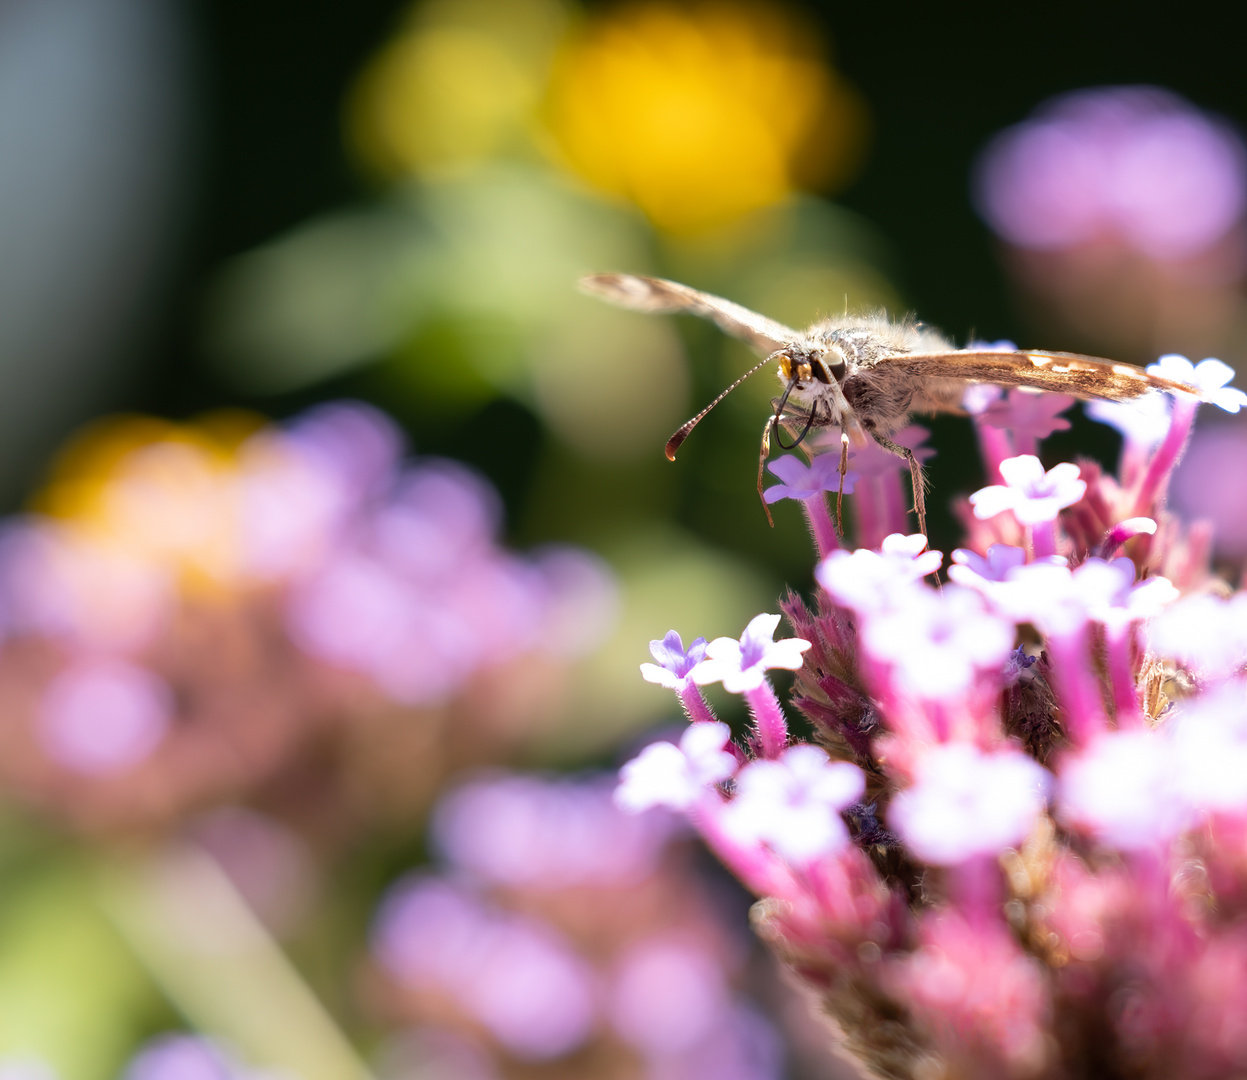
{"x":793,"y":804}
{"x":675,"y":665}
{"x":741,"y":665}
{"x":1033,"y":495}
{"x":1143,"y":421}
{"x":965,"y":802}
{"x":866,"y":580}
{"x":677,"y":776}
{"x":937,"y":643}
{"x":1029,"y":414}
{"x":972,"y":569}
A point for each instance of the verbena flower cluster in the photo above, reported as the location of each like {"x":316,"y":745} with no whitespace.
{"x":1016,"y":846}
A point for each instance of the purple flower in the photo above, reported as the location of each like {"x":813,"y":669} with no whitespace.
{"x":937,"y":643}
{"x":972,"y":569}
{"x":1137,"y":163}
{"x":801,"y":481}
{"x":742,"y":665}
{"x":103,"y":716}
{"x":674,"y":664}
{"x":1211,"y":377}
{"x":1033,"y":495}
{"x":183,"y":1057}
{"x":792,"y":804}
{"x":865,"y":580}
{"x":676,"y":776}
{"x":1119,"y":789}
{"x":965,"y":802}
{"x":1143,"y":421}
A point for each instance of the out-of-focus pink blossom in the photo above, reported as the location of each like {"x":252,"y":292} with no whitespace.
{"x":793,"y":804}
{"x":1114,"y":599}
{"x":975,"y":571}
{"x":984,"y":998}
{"x":518,"y":829}
{"x":801,"y":481}
{"x":185,"y":1057}
{"x":1033,"y":495}
{"x":1207,"y":635}
{"x":1119,"y":788}
{"x":1209,"y":747}
{"x":515,"y":975}
{"x":866,"y":580}
{"x":965,"y":803}
{"x":1136,"y":163}
{"x":1028,"y":415}
{"x":870,"y":460}
{"x":937,"y":643}
{"x":677,"y":776}
{"x":741,"y":665}
{"x":103,"y":716}
{"x":667,"y":997}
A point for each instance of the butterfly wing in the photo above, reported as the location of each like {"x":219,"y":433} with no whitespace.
{"x":658,"y":295}
{"x":939,"y":378}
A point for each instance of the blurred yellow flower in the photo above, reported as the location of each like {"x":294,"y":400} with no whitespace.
{"x":457,"y":85}
{"x":702,"y":113}
{"x":159,"y":492}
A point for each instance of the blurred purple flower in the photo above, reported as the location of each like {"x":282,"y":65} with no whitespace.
{"x":519,"y":829}
{"x":514,"y":975}
{"x":667,"y":997}
{"x":677,"y":776}
{"x":966,"y":803}
{"x":793,"y":804}
{"x":741,"y":665}
{"x":801,"y":481}
{"x":1114,"y":599}
{"x":1034,"y":496}
{"x":973,"y":570}
{"x":871,"y":460}
{"x":103,"y":716}
{"x":1143,"y":421}
{"x":182,"y":1057}
{"x":1136,"y":163}
{"x":1028,"y":415}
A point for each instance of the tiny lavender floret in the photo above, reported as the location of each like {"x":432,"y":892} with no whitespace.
{"x":1014,"y":846}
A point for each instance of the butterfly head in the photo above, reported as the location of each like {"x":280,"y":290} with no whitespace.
{"x":802,"y":365}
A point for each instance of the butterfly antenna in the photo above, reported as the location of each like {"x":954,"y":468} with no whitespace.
{"x":676,"y":440}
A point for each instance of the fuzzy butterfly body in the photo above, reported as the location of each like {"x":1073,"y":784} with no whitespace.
{"x":866,"y":375}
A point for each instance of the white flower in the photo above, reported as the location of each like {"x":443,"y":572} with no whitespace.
{"x":1033,"y":495}
{"x":793,"y":803}
{"x":1210,"y":377}
{"x":676,"y":776}
{"x":965,"y":802}
{"x":741,"y":665}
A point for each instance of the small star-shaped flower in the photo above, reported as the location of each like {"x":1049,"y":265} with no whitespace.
{"x":676,"y":776}
{"x":674,"y":664}
{"x":866,"y":580}
{"x":1210,"y":376}
{"x":1033,"y":495}
{"x":741,"y":665}
{"x":792,"y":804}
{"x":801,"y":481}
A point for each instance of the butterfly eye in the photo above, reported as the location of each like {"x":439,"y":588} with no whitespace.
{"x":835,"y":362}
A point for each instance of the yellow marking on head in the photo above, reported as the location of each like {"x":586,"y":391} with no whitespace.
{"x":785,"y":366}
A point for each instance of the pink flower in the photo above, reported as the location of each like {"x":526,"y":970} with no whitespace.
{"x":1205,"y":634}
{"x":1143,"y":421}
{"x":865,"y":580}
{"x":1111,"y":596}
{"x":676,"y":777}
{"x":937,"y":643}
{"x":741,"y":665}
{"x":793,"y":804}
{"x":1027,"y":414}
{"x":1033,"y":495}
{"x":965,"y":802}
{"x":974,"y":571}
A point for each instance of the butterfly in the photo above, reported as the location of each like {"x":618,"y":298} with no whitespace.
{"x":866,"y":374}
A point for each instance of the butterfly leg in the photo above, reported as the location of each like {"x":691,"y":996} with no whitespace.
{"x":916,"y":475}
{"x":844,"y":468}
{"x":763,"y":453}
